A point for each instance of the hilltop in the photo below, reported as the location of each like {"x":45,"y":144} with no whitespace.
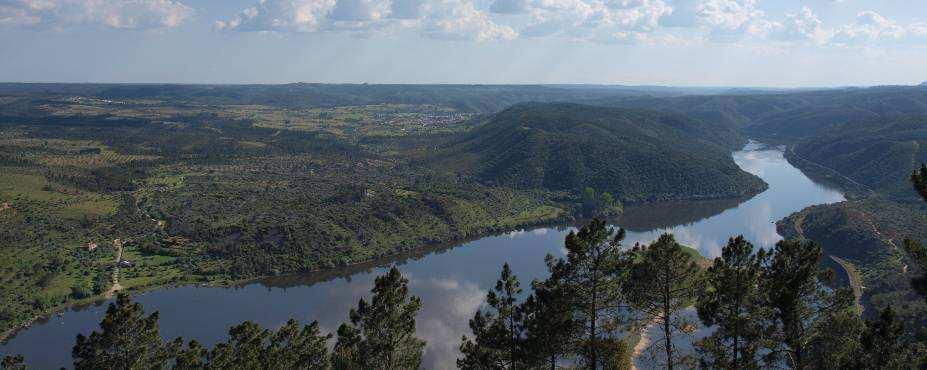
{"x":636,"y":155}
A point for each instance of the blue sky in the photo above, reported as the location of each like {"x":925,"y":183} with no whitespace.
{"x":789,"y":43}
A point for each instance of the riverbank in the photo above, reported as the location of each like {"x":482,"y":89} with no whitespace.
{"x":451,"y":282}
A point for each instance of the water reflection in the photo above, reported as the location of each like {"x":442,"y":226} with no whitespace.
{"x":452,"y":282}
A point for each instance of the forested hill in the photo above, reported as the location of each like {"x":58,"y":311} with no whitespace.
{"x":867,"y":235}
{"x":791,"y":115}
{"x":875,"y":155}
{"x":637,"y":155}
{"x":866,"y":140}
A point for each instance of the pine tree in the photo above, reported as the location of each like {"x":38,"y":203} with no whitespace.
{"x":296,"y":347}
{"x":381,"y":334}
{"x":883,"y":344}
{"x":837,"y":340}
{"x":127,"y":340}
{"x":730,"y":301}
{"x":243,"y":350}
{"x":497,"y":332}
{"x":191,"y":358}
{"x":593,"y":275}
{"x":13,"y":362}
{"x":662,"y":284}
{"x":916,"y":251}
{"x":801,"y":305}
{"x":550,"y":328}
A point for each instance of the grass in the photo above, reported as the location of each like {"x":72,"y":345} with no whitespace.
{"x":537,"y":214}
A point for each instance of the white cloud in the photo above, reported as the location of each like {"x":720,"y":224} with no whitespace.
{"x":869,"y":26}
{"x":119,"y":14}
{"x":729,"y":15}
{"x":804,"y":26}
{"x":281,"y":16}
{"x":609,"y":21}
{"x":509,"y":6}
{"x":406,"y":9}
{"x":918,"y":30}
{"x":725,"y":15}
{"x":445,"y":19}
{"x":666,"y":22}
{"x":460,"y":20}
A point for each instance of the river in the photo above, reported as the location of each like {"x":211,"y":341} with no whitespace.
{"x":452,"y":283}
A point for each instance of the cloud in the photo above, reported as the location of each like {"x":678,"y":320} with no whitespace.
{"x":406,"y":9}
{"x":509,"y":6}
{"x":461,"y":21}
{"x":804,"y":26}
{"x":609,"y":21}
{"x":665,"y":22}
{"x":357,"y":10}
{"x":918,"y":30}
{"x":725,"y":15}
{"x":280,"y":16}
{"x":118,"y":14}
{"x":729,"y":15}
{"x":869,"y":26}
{"x":444,"y":19}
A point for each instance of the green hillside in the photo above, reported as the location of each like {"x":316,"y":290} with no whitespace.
{"x":637,"y":155}
{"x":868,"y":234}
{"x":878,"y":154}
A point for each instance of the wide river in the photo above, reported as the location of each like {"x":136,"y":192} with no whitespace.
{"x":451,"y":282}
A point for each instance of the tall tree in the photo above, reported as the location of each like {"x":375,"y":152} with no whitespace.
{"x":663,"y":283}
{"x":836,"y":342}
{"x":918,"y":255}
{"x":883,"y":344}
{"x":193,"y":357}
{"x":381,"y":334}
{"x":243,"y":350}
{"x":592,"y":271}
{"x":127,"y":340}
{"x":251,"y":347}
{"x":13,"y":362}
{"x":730,"y":301}
{"x":801,"y":304}
{"x":550,"y":328}
{"x":296,"y":347}
{"x":916,"y":250}
{"x":497,"y":331}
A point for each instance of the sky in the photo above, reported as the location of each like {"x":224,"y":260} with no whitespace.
{"x":757,"y":43}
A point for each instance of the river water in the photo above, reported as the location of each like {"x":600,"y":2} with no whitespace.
{"x":452,"y":282}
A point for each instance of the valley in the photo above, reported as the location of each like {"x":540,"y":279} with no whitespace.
{"x":234,"y":194}
{"x":451,"y":281}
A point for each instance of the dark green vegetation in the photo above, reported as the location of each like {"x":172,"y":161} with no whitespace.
{"x":794,"y":320}
{"x":381,"y":336}
{"x":214,"y":184}
{"x":864,"y":141}
{"x":637,"y":155}
{"x":868,"y":234}
{"x":787,"y":116}
{"x":870,"y":156}
{"x":217,"y":184}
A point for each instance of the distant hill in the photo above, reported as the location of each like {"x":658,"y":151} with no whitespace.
{"x":877,"y":153}
{"x":466,"y":98}
{"x":790,"y":115}
{"x":868,"y":234}
{"x":636,"y":155}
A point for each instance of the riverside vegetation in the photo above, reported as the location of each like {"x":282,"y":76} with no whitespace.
{"x":140,"y":160}
{"x":217,"y":191}
{"x":770,"y":308}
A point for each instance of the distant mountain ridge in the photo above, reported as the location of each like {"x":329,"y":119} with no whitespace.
{"x":790,"y":115}
{"x":636,"y":155}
